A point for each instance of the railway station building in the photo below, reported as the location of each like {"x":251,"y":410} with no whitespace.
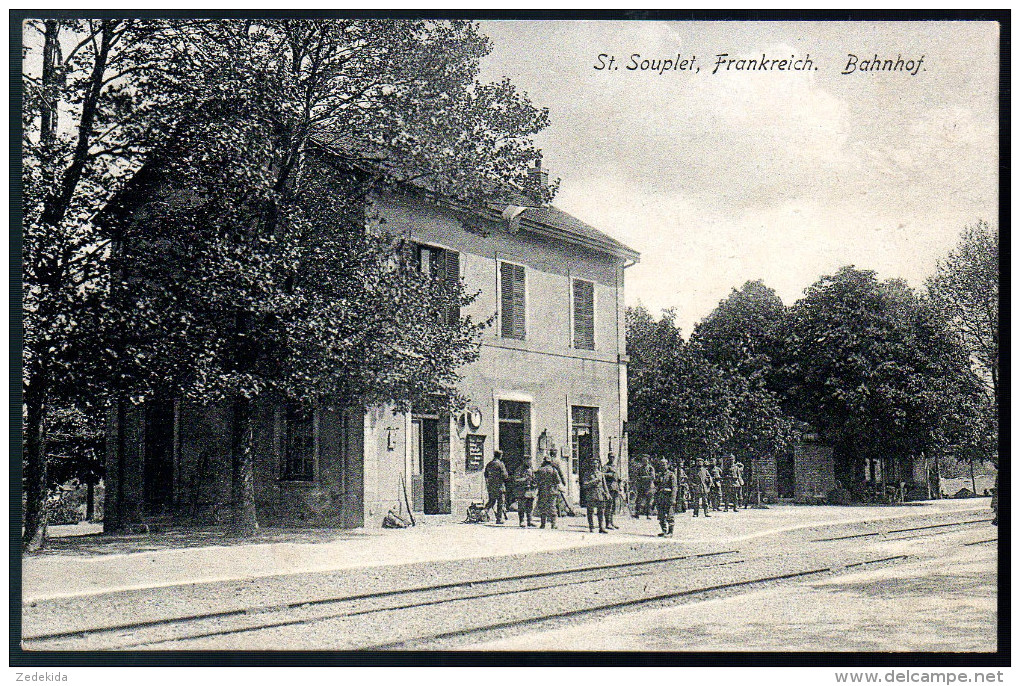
{"x":551,"y":379}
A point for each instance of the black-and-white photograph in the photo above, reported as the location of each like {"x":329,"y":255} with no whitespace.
{"x":536,"y":335}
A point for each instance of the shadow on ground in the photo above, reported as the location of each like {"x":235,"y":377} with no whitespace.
{"x":120,"y":544}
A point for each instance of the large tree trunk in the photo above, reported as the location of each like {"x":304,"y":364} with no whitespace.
{"x":36,"y":489}
{"x":51,"y":53}
{"x":244,"y":521}
{"x":973,"y":481}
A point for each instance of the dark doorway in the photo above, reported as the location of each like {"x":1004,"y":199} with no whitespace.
{"x":430,"y":459}
{"x":515,"y":433}
{"x":584,"y":441}
{"x":158,"y":466}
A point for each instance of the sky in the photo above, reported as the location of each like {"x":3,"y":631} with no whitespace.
{"x":782,"y":175}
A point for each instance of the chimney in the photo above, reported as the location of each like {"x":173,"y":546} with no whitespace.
{"x":538,"y":179}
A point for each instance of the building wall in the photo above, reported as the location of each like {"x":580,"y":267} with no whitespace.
{"x":813,"y":471}
{"x":202,"y":470}
{"x":769,"y":480}
{"x":544,"y":369}
{"x":363,"y":459}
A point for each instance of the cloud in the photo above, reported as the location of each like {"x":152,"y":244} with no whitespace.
{"x":783,"y":176}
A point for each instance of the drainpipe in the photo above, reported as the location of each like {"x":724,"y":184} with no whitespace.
{"x":619,"y":353}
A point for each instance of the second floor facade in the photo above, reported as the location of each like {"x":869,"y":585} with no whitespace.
{"x":549,"y":283}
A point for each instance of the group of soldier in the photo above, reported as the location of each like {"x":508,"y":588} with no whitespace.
{"x":660,"y":487}
{"x":540,"y":492}
{"x":536,"y":491}
{"x":699,"y":485}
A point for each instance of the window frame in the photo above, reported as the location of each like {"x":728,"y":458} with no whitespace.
{"x":283,"y":444}
{"x":453,"y":313}
{"x":499,"y":299}
{"x":573,"y":314}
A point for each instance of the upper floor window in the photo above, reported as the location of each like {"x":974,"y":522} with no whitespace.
{"x":298,"y":459}
{"x":440,"y":263}
{"x":511,"y":298}
{"x":584,"y":314}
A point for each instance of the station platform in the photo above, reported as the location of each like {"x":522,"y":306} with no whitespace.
{"x":92,"y":562}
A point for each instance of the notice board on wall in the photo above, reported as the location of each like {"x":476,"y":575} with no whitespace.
{"x":475,"y":452}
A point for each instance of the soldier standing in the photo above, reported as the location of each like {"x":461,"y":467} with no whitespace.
{"x":596,"y":493}
{"x":665,"y":496}
{"x":644,"y":482}
{"x":741,"y":490}
{"x":717,"y":485}
{"x":548,"y":481}
{"x":495,"y":482}
{"x":684,"y":492}
{"x":701,"y":485}
{"x":524,"y":492}
{"x":733,"y":484}
{"x":613,"y":484}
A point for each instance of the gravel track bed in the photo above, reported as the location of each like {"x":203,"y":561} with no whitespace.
{"x":294,"y":603}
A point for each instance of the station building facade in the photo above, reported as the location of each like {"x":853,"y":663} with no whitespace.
{"x":551,"y":380}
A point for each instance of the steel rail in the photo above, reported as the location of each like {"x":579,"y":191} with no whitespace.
{"x":279,"y":607}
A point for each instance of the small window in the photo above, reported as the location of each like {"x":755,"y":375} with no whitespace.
{"x":441,"y":263}
{"x":512,"y":321}
{"x":299,"y":443}
{"x":584,"y":315}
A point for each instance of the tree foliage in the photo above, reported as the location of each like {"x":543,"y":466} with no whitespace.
{"x":744,"y":335}
{"x":875,"y":369}
{"x":98,"y":95}
{"x":687,"y":405}
{"x":965,"y":289}
{"x":745,"y":331}
{"x":235,"y":264}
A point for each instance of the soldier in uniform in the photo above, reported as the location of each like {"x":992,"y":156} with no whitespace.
{"x":665,"y":496}
{"x":524,"y":492}
{"x":701,"y":486}
{"x":596,"y":493}
{"x":644,"y":483}
{"x":683,"y":495}
{"x":733,"y":485}
{"x":495,"y":482}
{"x":741,"y":490}
{"x":717,"y":485}
{"x":548,"y":481}
{"x":613,"y":484}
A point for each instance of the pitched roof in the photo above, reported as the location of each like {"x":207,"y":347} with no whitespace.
{"x":549,"y":221}
{"x":575,"y":230}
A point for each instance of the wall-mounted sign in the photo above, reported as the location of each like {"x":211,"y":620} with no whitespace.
{"x":474,"y":452}
{"x":474,"y":418}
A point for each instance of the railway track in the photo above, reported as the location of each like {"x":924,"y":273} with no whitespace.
{"x":694,"y":572}
{"x":368,"y":603}
{"x":924,"y":529}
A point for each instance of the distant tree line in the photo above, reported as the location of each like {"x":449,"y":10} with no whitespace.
{"x":875,"y":367}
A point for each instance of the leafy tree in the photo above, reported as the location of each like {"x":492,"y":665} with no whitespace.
{"x":875,"y":369}
{"x":744,"y":336}
{"x":745,"y":331}
{"x":681,"y":404}
{"x":97,"y":96}
{"x":105,"y":99}
{"x":966,"y":289}
{"x":252,"y":274}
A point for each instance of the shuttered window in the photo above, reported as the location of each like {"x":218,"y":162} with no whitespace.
{"x":584,"y":315}
{"x":512,"y":322}
{"x":440,"y":262}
